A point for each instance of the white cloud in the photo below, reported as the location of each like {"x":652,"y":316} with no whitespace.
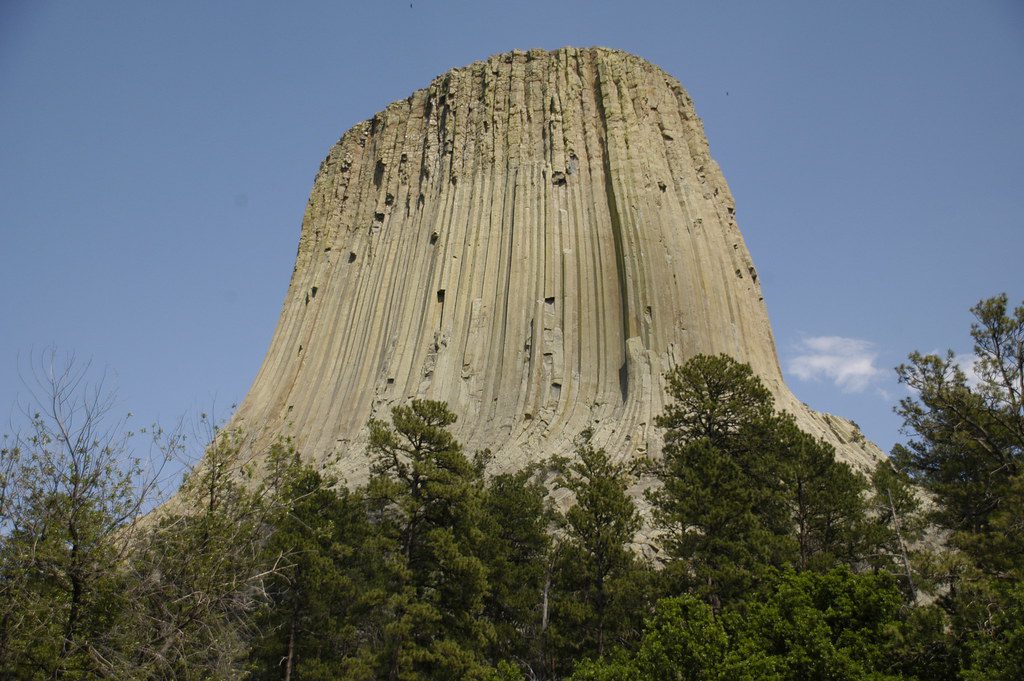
{"x":967,"y":362}
{"x":848,"y":362}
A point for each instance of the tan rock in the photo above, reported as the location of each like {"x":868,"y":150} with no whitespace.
{"x":535,"y":239}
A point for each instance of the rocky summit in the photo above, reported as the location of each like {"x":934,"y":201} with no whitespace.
{"x":534,"y":239}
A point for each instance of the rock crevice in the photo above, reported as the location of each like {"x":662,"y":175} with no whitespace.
{"x":535,"y":239}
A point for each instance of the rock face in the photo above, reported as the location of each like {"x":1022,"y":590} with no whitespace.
{"x":534,"y":239}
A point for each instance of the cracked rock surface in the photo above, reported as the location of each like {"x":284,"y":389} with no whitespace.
{"x":535,"y":239}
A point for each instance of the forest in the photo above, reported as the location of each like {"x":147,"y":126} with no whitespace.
{"x":745,"y":552}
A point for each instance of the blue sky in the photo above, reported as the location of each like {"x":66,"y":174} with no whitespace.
{"x":155,"y":161}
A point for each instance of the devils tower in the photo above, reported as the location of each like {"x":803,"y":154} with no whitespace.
{"x":534,"y":239}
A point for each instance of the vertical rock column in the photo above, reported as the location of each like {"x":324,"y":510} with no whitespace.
{"x":534,"y":239}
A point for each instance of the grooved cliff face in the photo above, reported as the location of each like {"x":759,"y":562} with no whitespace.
{"x":535,"y":239}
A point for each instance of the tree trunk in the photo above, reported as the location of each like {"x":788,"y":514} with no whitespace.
{"x":290,"y":659}
{"x":544,"y":610}
{"x":77,"y":590}
{"x":903,"y":548}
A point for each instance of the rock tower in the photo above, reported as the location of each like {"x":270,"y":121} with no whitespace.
{"x":535,"y":239}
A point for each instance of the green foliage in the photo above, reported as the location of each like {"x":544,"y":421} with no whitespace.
{"x":316,"y":607}
{"x":924,"y":647}
{"x":967,"y":452}
{"x":63,"y":588}
{"x":825,"y":499}
{"x":682,"y":640}
{"x":743,"y":489}
{"x":834,"y":625}
{"x":598,"y":580}
{"x":198,"y":566}
{"x":504,"y":671}
{"x":807,"y":626}
{"x":435,"y":571}
{"x":720,"y":509}
{"x":713,"y":540}
{"x":425,"y":497}
{"x":969,"y":444}
{"x":714,"y":398}
{"x":997,"y":649}
{"x":69,"y":493}
{"x":896,"y":522}
{"x":683,"y":635}
{"x":516,"y":549}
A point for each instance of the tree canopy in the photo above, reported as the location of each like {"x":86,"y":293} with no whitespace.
{"x":753,"y":554}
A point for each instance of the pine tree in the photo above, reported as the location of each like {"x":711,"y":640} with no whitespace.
{"x":997,"y":650}
{"x":599,"y":583}
{"x":825,"y":497}
{"x":715,"y":398}
{"x":516,"y":550}
{"x":968,"y":448}
{"x":968,"y":451}
{"x":425,"y":497}
{"x":897,"y":523}
{"x":712,"y":539}
{"x":312,"y":626}
{"x":743,"y":489}
{"x":721,"y":510}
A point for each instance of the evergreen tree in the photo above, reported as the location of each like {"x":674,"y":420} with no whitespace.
{"x":967,"y":452}
{"x":425,"y":497}
{"x":715,"y":398}
{"x":744,"y":489}
{"x":897,"y":523}
{"x":721,"y":509}
{"x":712,"y":539}
{"x":599,"y":583}
{"x":516,"y":550}
{"x":968,"y":448}
{"x":312,"y":625}
{"x":996,"y":650}
{"x":825,"y":497}
{"x":803,"y":627}
{"x":925,"y":648}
